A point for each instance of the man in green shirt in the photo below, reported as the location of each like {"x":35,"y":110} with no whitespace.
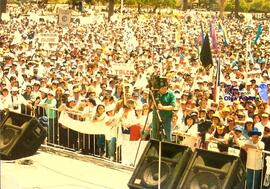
{"x":166,"y":104}
{"x":49,"y":104}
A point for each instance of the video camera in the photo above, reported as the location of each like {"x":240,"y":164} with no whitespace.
{"x":156,"y":82}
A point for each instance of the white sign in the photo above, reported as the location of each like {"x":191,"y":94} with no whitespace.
{"x":123,"y":69}
{"x":234,"y":152}
{"x":64,"y":17}
{"x":48,"y":38}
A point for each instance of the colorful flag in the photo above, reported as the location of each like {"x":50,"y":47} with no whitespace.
{"x":213,"y":36}
{"x":225,"y":35}
{"x":217,"y":83}
{"x":259,"y":34}
{"x":206,"y":55}
{"x":263,"y":92}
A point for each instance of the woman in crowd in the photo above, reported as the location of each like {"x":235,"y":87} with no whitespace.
{"x":249,"y":125}
{"x":100,"y":139}
{"x":190,"y":127}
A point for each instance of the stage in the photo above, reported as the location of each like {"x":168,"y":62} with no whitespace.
{"x":50,"y":171}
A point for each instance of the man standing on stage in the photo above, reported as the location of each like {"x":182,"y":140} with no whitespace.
{"x":166,"y":103}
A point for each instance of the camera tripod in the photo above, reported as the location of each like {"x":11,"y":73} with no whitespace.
{"x":160,"y":134}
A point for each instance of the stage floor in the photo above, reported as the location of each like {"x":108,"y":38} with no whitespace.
{"x":50,"y":171}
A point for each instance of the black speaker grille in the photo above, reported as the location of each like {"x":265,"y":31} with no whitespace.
{"x":174,"y":159}
{"x":7,"y":136}
{"x":150,"y":174}
{"x":204,"y":180}
{"x":20,"y":136}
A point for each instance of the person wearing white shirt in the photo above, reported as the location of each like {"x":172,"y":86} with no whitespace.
{"x":128,"y":118}
{"x":15,"y":100}
{"x":114,"y":124}
{"x":190,"y":127}
{"x":254,"y":165}
{"x":263,"y":123}
{"x":4,"y":98}
{"x":190,"y":132}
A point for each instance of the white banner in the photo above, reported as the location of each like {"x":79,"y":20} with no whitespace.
{"x":48,"y":38}
{"x":86,"y":127}
{"x":123,"y":69}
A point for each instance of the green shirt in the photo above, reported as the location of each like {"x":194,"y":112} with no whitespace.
{"x":50,"y":111}
{"x":167,"y":99}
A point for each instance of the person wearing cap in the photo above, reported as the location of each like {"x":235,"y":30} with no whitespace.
{"x":235,"y":135}
{"x":263,"y":123}
{"x":219,"y":132}
{"x":166,"y":105}
{"x":225,"y":113}
{"x":254,"y":164}
{"x":250,"y":109}
{"x":241,"y":117}
{"x":209,"y":114}
{"x":29,"y":98}
{"x":113,"y":122}
{"x":35,"y":91}
{"x":77,"y":95}
{"x":49,"y":104}
{"x":216,"y":120}
{"x":15,"y":100}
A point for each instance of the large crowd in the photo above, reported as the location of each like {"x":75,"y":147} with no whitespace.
{"x":75,"y":74}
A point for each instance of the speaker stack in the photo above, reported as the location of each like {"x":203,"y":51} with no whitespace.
{"x":213,"y":170}
{"x":174,"y":159}
{"x":183,"y":169}
{"x":20,"y":136}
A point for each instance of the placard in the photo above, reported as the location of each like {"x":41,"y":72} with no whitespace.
{"x":48,"y":38}
{"x":64,"y":17}
{"x":121,"y":69}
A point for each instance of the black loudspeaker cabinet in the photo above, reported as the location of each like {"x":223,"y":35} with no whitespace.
{"x":213,"y":170}
{"x":20,"y":136}
{"x":174,"y":159}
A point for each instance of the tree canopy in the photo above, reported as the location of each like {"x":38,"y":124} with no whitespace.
{"x":229,"y":5}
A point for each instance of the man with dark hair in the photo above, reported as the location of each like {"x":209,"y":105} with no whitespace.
{"x":166,"y":104}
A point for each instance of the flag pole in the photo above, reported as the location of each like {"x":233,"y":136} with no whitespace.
{"x":122,"y":6}
{"x":217,"y":92}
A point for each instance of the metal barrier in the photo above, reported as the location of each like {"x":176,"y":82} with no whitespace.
{"x":63,"y":137}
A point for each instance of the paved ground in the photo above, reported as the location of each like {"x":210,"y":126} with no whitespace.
{"x":49,"y":171}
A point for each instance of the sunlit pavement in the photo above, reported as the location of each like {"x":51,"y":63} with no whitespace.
{"x":50,"y":171}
